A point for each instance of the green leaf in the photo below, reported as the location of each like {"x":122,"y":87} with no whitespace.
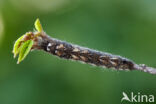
{"x":24,"y":50}
{"x":17,"y":45}
{"x":38,"y":25}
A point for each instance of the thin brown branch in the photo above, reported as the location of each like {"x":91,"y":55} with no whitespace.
{"x":66,"y":50}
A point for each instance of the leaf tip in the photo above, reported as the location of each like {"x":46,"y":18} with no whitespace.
{"x":15,"y":55}
{"x":38,"y":25}
{"x":18,"y":62}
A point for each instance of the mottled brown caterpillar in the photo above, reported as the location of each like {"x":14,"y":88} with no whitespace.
{"x":66,"y":50}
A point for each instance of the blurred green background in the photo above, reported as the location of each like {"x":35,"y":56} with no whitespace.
{"x":122,"y":27}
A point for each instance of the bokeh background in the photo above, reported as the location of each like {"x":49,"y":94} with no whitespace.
{"x":122,"y":27}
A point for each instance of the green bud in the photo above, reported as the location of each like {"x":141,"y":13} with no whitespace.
{"x":38,"y":25}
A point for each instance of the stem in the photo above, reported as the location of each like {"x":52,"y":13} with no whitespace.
{"x":66,"y":50}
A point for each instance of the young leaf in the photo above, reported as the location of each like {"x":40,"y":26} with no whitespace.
{"x":38,"y":25}
{"x":16,"y":46}
{"x":24,"y":50}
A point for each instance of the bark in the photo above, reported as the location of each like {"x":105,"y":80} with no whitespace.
{"x":66,"y":50}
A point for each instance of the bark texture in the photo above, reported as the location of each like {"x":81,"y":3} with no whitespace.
{"x":66,"y":50}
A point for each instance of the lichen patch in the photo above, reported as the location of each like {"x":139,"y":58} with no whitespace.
{"x":60,"y":46}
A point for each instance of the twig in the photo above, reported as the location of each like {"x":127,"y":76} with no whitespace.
{"x":41,"y":41}
{"x":66,"y":50}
